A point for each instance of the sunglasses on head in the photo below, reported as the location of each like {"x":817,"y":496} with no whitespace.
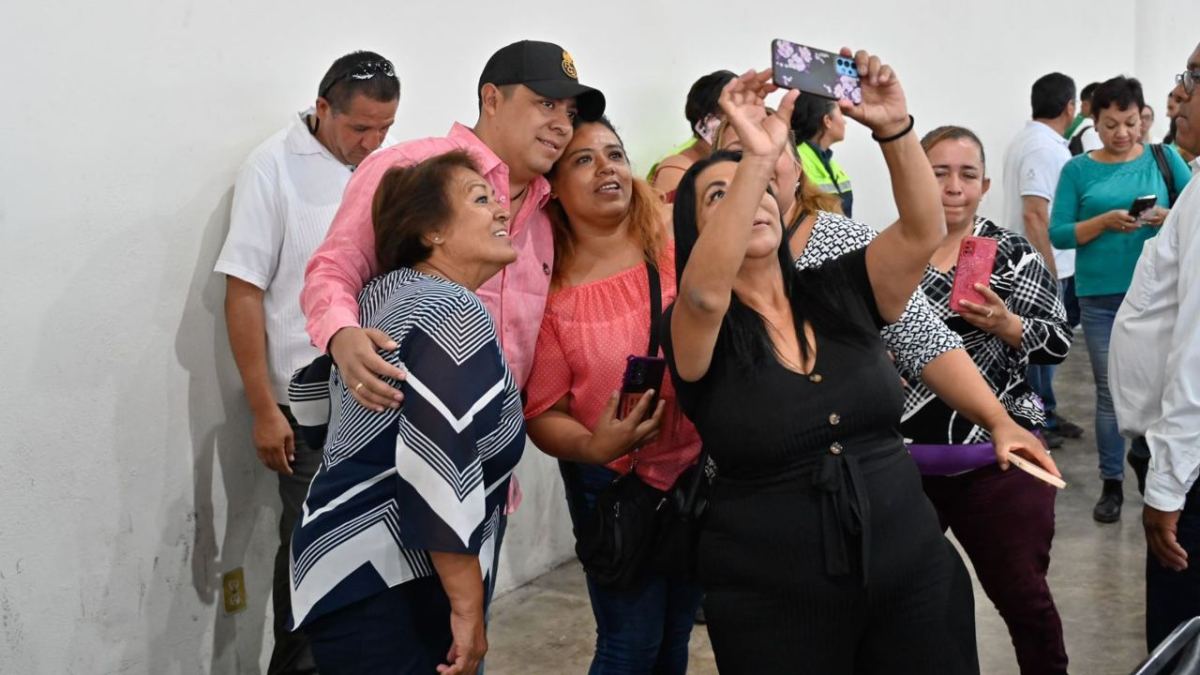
{"x":362,"y":71}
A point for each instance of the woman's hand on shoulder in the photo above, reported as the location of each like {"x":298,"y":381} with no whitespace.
{"x":743,"y":103}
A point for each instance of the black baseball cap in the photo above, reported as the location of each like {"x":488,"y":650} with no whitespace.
{"x":545,"y":68}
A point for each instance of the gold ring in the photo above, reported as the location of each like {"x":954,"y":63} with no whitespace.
{"x":989,"y":314}
{"x":357,"y":387}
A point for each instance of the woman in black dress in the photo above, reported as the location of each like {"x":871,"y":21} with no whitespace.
{"x":820,"y":553}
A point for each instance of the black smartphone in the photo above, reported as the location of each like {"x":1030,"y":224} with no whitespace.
{"x":1141,"y":204}
{"x":642,"y":373}
{"x":815,"y":71}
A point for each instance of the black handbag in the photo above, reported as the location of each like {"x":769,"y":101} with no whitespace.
{"x":675,"y":548}
{"x":614,"y":543}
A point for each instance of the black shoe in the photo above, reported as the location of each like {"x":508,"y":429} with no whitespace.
{"x":1066,"y":428}
{"x":1108,"y":509}
{"x":1052,"y":438}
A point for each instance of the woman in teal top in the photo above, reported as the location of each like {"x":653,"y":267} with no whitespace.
{"x":1091,"y":214}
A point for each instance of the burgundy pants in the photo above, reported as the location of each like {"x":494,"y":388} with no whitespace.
{"x":1005,"y":522}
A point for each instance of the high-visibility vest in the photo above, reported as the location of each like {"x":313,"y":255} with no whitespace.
{"x":826,"y":174}
{"x":678,"y":149}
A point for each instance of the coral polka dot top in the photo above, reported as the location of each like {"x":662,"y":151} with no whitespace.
{"x":587,"y":333}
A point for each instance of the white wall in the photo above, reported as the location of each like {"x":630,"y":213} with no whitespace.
{"x":129,"y":482}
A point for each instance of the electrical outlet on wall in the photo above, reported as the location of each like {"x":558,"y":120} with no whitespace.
{"x":233,"y":590}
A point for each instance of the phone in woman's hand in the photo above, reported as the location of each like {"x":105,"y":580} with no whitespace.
{"x":642,"y":373}
{"x":815,"y":71}
{"x":976,"y":258}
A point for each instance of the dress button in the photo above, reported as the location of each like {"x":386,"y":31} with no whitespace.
{"x":815,"y":378}
{"x":835,"y":419}
{"x":835,"y":449}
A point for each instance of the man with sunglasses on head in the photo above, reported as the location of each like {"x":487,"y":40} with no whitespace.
{"x":283,"y":203}
{"x":1154,"y":375}
{"x":529,"y":95}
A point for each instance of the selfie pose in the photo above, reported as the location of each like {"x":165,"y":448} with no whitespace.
{"x":771,"y":365}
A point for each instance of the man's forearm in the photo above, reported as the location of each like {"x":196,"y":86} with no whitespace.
{"x":1037,"y":231}
{"x":246,"y":324}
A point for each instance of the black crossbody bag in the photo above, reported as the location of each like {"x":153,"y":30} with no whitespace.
{"x":634,"y":526}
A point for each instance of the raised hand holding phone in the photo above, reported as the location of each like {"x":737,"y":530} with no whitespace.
{"x":884,"y":108}
{"x":743,"y":101}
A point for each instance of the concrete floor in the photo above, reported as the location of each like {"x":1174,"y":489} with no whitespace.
{"x":1096,"y":575}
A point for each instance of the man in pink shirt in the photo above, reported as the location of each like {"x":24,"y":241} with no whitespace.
{"x":529,"y":94}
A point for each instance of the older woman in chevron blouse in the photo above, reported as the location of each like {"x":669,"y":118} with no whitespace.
{"x":394,"y":558}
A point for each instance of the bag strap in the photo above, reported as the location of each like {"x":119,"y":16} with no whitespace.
{"x":1164,"y":167}
{"x":693,"y":490}
{"x":655,"y":308}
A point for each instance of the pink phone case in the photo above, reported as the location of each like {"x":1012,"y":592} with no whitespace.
{"x":976,"y":258}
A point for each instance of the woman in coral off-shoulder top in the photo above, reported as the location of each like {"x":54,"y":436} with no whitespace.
{"x":608,"y":226}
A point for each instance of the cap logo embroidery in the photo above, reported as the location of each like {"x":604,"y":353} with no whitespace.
{"x":568,"y":65}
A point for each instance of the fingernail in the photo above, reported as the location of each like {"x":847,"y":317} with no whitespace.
{"x":391,"y":344}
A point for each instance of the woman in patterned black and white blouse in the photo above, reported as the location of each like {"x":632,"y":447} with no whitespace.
{"x":394,"y":558}
{"x":1003,"y":519}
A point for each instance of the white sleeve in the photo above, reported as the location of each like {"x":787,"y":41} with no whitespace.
{"x":1091,"y":140}
{"x":1174,"y":438}
{"x":1039,"y":174}
{"x":256,"y":227}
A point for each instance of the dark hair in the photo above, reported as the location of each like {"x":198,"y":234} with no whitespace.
{"x":645,"y":217}
{"x":1051,"y":95}
{"x":365,"y":73}
{"x":411,"y":202}
{"x":702,"y":97}
{"x":808,"y":117}
{"x":1120,"y":91}
{"x":1170,"y":137}
{"x":953,"y":133}
{"x":1086,"y":93}
{"x":743,"y":330}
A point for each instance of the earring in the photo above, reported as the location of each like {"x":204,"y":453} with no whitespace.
{"x":553,"y":196}
{"x":437,"y":240}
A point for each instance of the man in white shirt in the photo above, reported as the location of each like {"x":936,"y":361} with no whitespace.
{"x":1082,"y":133}
{"x":1032,"y":164}
{"x":283,"y":203}
{"x":1154,"y":374}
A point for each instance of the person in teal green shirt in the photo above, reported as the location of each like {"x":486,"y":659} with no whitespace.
{"x":1091,"y":214}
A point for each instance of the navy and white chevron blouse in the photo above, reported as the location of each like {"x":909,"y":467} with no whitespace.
{"x":432,"y":476}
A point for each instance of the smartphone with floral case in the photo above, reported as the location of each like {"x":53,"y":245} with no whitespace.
{"x":815,"y":71}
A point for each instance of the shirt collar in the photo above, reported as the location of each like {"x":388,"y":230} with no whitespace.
{"x":823,"y":154}
{"x":488,"y":161}
{"x":301,"y":141}
{"x":1050,"y":133}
